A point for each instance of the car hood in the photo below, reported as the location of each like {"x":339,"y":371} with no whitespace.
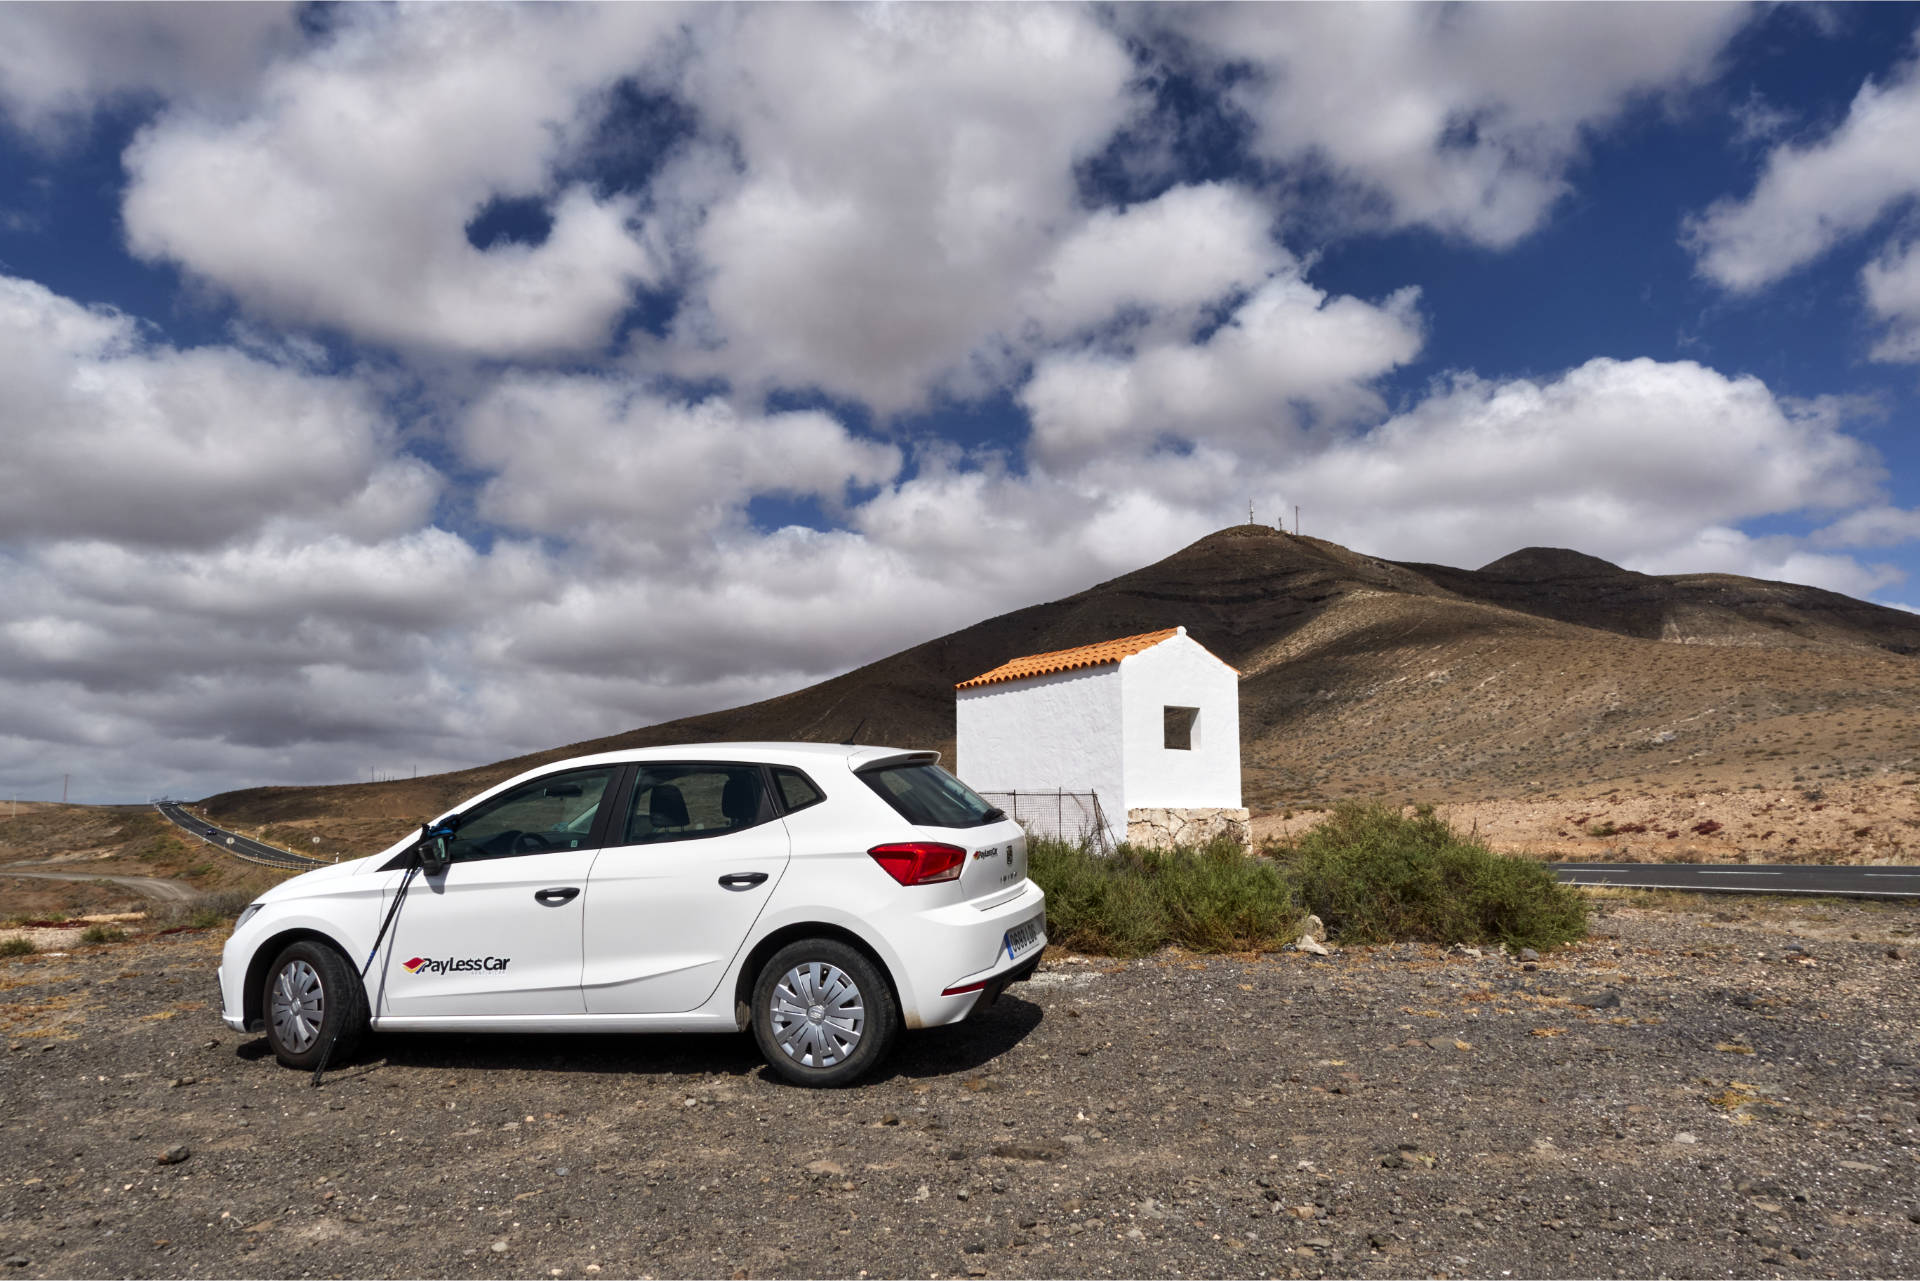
{"x":324,"y":879}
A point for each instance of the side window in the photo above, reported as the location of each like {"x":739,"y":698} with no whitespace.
{"x":552,"y":813}
{"x":796,"y":790}
{"x":687,"y":802}
{"x":1182,"y":725}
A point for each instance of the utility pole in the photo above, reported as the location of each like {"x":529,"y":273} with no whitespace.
{"x":64,"y":780}
{"x":1296,"y":520}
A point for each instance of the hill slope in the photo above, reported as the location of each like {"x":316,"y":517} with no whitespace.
{"x":1544,"y":669}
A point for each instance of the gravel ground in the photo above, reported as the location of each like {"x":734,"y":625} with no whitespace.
{"x":1711,"y":1092}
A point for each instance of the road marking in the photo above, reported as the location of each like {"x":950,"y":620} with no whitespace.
{"x":1742,"y":872}
{"x":1893,"y":876}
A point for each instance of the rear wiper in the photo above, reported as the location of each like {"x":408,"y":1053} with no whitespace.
{"x":993,"y":815}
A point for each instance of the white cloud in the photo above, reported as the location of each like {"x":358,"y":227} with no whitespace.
{"x":1632,"y":461}
{"x":1892,"y":286}
{"x":1876,"y":526}
{"x":340,"y":197}
{"x":60,"y":62}
{"x":1464,"y":118}
{"x":571,"y":455}
{"x":1812,"y":195}
{"x":1290,"y":357}
{"x":1164,"y":257}
{"x":114,"y":435}
{"x":905,"y":172}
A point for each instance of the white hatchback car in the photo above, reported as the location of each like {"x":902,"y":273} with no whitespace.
{"x":824,"y":896}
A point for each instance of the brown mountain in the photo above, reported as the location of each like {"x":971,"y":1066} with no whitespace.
{"x":1542,"y":670}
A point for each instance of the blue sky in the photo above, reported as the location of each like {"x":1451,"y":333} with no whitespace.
{"x":405,"y":387}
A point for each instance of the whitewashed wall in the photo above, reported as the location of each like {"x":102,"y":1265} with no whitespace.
{"x":1103,"y":729}
{"x":1179,"y":672}
{"x":1045,"y":732}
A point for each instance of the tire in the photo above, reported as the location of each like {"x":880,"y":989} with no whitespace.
{"x":846,"y":1026}
{"x":310,"y":978}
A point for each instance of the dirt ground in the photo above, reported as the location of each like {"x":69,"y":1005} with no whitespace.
{"x":1874,"y":821}
{"x":1706,"y":1087}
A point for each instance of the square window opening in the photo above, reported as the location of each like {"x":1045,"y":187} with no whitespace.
{"x":1182,"y":728}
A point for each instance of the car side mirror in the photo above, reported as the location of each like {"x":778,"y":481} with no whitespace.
{"x":433,"y":850}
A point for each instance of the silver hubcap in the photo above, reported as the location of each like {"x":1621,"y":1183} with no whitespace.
{"x":818,"y":1015}
{"x":298,"y":1005}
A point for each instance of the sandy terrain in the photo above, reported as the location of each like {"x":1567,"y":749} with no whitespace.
{"x":1869,"y":822}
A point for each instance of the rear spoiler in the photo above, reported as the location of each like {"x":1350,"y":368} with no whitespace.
{"x":897,"y":759}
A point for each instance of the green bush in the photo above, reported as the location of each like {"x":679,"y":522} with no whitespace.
{"x":98,"y":933}
{"x":1211,"y":899}
{"x":1375,"y":875}
{"x":18,"y":945}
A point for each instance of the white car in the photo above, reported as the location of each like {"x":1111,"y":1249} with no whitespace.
{"x":824,"y":896}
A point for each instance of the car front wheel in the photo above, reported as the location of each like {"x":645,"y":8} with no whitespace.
{"x":313,"y":999}
{"x":823,"y":1014}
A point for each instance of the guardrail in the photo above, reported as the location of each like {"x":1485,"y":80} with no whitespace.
{"x":261,"y":854}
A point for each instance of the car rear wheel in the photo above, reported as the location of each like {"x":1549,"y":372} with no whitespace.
{"x":313,"y":999}
{"x":823,"y":1013}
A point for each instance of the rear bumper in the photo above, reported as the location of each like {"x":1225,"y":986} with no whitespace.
{"x":1019,"y":974}
{"x":964,"y":948}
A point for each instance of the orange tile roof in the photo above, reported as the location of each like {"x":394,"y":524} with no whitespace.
{"x":1066,"y":660}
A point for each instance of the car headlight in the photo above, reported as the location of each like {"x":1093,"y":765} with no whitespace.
{"x":247,"y":914}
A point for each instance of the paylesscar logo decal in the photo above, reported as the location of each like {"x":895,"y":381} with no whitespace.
{"x":455,"y":964}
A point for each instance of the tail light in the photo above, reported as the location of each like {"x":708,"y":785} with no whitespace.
{"x":920,"y":862}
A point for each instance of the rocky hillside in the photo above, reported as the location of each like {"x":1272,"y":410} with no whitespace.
{"x":1544,"y":670}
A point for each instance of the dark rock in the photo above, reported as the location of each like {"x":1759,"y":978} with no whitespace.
{"x":1030,"y":1151}
{"x":977,"y":1247}
{"x":173,"y":1155}
{"x":18,"y":1261}
{"x":1528,"y":954}
{"x":1598,"y":1000}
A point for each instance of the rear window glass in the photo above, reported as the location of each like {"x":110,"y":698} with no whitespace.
{"x":928,"y":796}
{"x":796,"y":789}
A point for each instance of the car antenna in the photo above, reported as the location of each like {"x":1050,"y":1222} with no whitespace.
{"x":854,"y":737}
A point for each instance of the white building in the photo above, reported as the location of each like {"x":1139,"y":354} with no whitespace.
{"x":1150,"y":723}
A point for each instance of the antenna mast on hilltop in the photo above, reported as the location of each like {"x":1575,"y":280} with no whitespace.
{"x":1296,"y":520}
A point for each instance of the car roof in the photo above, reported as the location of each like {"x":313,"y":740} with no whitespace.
{"x":798,"y":754}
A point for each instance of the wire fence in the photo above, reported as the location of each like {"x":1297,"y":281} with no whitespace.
{"x":1075,"y":817}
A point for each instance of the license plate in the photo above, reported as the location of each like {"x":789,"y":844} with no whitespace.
{"x":1022,"y":937}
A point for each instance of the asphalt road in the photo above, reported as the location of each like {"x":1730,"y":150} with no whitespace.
{"x":233,"y":843}
{"x":1755,"y":878}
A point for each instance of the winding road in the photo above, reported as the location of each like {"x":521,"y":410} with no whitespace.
{"x":151,"y":886}
{"x":244,"y":847}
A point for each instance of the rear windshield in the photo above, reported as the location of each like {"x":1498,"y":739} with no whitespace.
{"x":928,"y":796}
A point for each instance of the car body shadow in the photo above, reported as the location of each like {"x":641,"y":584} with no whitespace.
{"x":934,"y":1052}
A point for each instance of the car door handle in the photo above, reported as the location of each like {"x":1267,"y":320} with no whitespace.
{"x":742,"y":880}
{"x":555,"y":897}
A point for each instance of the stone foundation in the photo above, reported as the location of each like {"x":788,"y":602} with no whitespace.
{"x":1164,"y":828}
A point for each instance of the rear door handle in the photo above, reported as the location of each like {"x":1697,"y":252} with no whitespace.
{"x":555,"y":897}
{"x":742,"y":880}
